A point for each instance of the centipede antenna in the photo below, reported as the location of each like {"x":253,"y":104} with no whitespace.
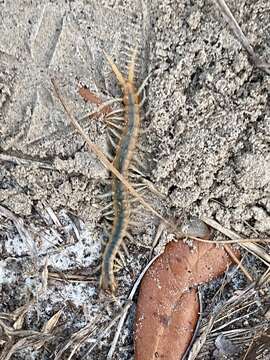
{"x":117,"y":72}
{"x":132,"y":67}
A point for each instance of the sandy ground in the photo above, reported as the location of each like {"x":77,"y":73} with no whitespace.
{"x":206,"y":149}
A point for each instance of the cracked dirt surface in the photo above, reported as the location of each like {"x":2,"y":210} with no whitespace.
{"x":207,"y":146}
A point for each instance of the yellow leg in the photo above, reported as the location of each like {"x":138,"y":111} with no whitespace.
{"x":117,"y":72}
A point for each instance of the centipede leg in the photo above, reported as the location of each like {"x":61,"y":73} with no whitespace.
{"x":105,"y":195}
{"x":114,"y":125}
{"x":113,"y":143}
{"x":108,"y":206}
{"x":142,"y":102}
{"x":115,"y":133}
{"x":120,"y":262}
{"x":145,"y":116}
{"x":123,"y":245}
{"x":114,"y":112}
{"x":145,"y":81}
{"x":136,"y":170}
{"x":102,"y":107}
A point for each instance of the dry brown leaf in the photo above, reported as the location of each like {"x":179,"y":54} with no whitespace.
{"x":163,"y":331}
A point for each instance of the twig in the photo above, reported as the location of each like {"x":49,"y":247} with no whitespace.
{"x":197,"y":328}
{"x":198,"y":343}
{"x":226,"y":12}
{"x":247,"y":244}
{"x":238,"y":262}
{"x":232,"y":241}
{"x":25,"y":162}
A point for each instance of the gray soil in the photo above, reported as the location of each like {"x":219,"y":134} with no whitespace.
{"x":206,"y":146}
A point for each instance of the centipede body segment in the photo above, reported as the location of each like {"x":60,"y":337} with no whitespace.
{"x":126,"y":129}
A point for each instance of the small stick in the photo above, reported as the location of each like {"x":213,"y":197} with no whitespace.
{"x":26,"y":162}
{"x":247,"y":244}
{"x":226,"y":12}
{"x":234,"y":240}
{"x":238,"y":262}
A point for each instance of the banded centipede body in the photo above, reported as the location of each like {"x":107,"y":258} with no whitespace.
{"x":129,"y":128}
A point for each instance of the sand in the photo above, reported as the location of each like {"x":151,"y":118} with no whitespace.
{"x":206,"y":142}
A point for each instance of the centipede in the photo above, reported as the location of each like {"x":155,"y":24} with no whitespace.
{"x":125,"y":126}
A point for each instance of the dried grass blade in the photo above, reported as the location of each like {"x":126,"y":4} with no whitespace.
{"x":24,"y":233}
{"x":226,"y":12}
{"x":247,"y":245}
